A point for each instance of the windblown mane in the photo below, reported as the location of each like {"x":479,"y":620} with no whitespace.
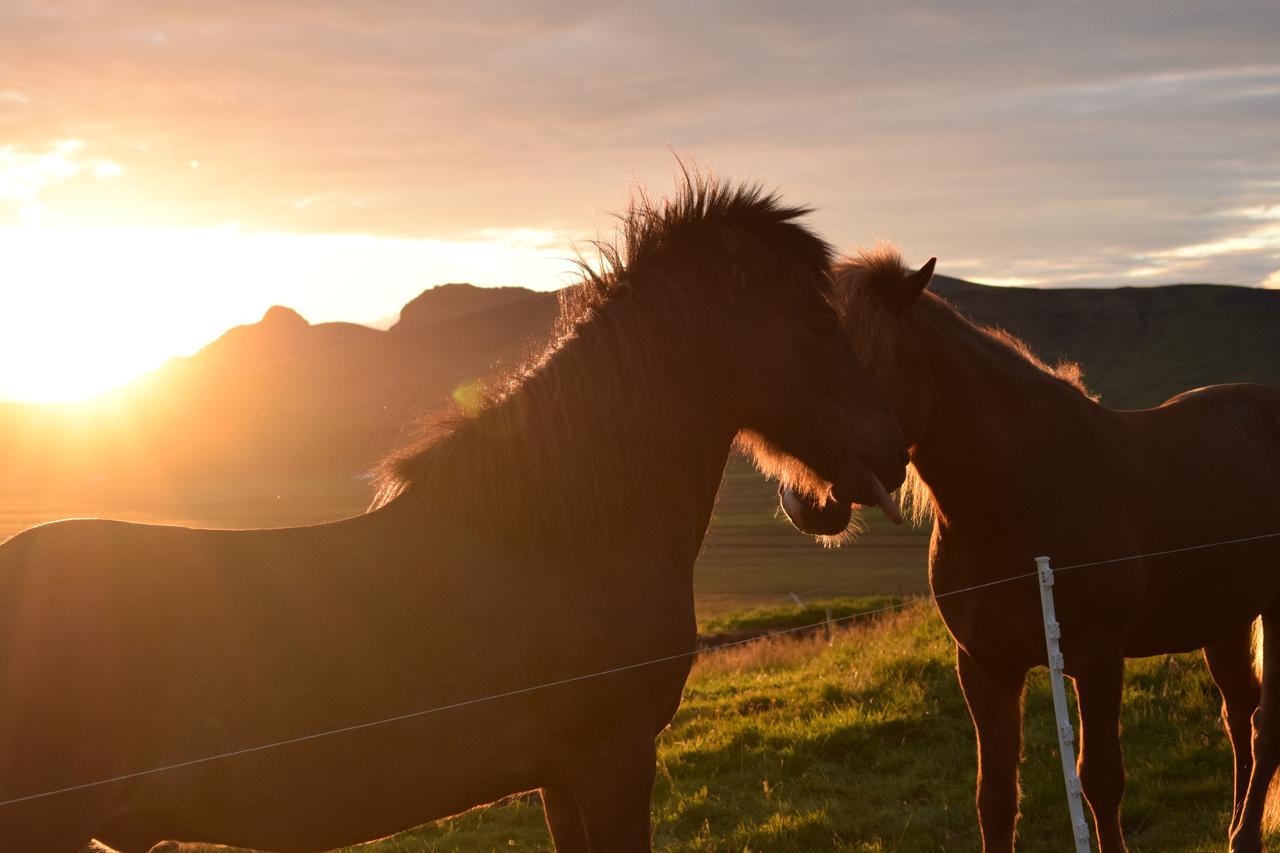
{"x":859,"y":283}
{"x":547,"y":451}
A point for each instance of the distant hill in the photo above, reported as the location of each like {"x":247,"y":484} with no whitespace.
{"x":1138,"y":345}
{"x":279,"y":398}
{"x":283,"y":398}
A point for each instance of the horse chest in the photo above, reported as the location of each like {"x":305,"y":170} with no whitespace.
{"x":1000,"y":625}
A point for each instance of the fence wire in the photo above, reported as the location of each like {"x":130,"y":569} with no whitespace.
{"x":813,"y":626}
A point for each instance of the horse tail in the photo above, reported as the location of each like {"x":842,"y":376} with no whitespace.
{"x":1271,"y":810}
{"x":1257,"y":649}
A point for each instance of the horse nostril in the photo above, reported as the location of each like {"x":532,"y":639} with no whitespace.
{"x":903,"y":456}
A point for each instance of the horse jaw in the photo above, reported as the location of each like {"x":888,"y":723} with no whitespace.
{"x":830,"y":519}
{"x":821,"y":520}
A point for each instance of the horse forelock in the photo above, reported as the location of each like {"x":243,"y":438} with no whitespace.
{"x":673,"y":261}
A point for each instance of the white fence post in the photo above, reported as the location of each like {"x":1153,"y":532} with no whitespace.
{"x":1066,"y":734}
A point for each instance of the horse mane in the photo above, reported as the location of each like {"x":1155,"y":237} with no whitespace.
{"x":881,"y":267}
{"x":545,"y":451}
{"x":860,"y":281}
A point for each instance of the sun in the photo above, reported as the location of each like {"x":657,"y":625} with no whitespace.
{"x":75,"y":317}
{"x":95,"y":291}
{"x":84,"y":309}
{"x":60,"y":346}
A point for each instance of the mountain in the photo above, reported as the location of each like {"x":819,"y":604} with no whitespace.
{"x":276,"y":399}
{"x":1138,"y":345}
{"x":283,"y":398}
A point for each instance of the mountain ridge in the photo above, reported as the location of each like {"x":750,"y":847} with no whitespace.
{"x":286,"y":398}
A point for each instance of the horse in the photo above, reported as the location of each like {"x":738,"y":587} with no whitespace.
{"x":1014,"y":459}
{"x":514,"y":612}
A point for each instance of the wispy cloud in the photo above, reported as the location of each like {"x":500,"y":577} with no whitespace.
{"x":1085,"y":143}
{"x":24,"y":174}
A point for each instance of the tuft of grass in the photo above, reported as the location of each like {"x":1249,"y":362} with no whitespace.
{"x":791,"y":616}
{"x":863,"y":743}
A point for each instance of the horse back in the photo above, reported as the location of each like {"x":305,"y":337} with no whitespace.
{"x":1218,"y":445}
{"x":1204,"y":469}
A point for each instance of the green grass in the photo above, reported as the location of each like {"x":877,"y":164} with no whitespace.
{"x":864,"y":743}
{"x":787,"y":617}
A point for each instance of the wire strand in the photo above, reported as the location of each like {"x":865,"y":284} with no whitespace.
{"x":593,"y":675}
{"x":1168,"y":551}
{"x":451,"y":706}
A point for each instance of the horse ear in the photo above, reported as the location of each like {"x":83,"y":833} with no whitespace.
{"x":910,"y":288}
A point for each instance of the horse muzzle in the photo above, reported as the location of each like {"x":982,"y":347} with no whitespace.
{"x":830,"y":517}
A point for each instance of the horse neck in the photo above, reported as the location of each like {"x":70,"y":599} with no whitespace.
{"x":993,"y":417}
{"x":617,"y":443}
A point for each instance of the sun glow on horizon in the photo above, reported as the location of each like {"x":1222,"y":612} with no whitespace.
{"x":84,"y":310}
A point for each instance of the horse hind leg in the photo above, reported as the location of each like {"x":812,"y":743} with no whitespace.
{"x":611,"y":785}
{"x":1247,"y":837}
{"x":564,"y":820}
{"x":1231,"y":666}
{"x":1099,"y":688}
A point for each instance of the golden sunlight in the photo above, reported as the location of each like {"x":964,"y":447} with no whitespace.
{"x":87,"y":309}
{"x":96,"y":291}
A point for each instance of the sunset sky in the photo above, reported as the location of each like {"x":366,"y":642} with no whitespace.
{"x":170,"y":169}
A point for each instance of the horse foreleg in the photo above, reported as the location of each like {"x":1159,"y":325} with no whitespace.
{"x":612,"y":786}
{"x":996,"y":708}
{"x":1099,"y":686}
{"x":564,"y":819}
{"x":1230,"y":664}
{"x":1247,"y":837}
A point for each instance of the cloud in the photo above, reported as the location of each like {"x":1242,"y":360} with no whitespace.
{"x":1258,"y":239}
{"x":24,"y":175}
{"x":1068,"y":144}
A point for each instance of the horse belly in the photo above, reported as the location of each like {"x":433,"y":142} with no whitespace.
{"x":1192,"y":601}
{"x":330,"y":792}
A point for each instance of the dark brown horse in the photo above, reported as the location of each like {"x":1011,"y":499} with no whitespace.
{"x":549,"y":536}
{"x":1016,"y":460}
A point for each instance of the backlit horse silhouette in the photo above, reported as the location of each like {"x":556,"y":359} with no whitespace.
{"x":1015,"y":460}
{"x":550,"y":535}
